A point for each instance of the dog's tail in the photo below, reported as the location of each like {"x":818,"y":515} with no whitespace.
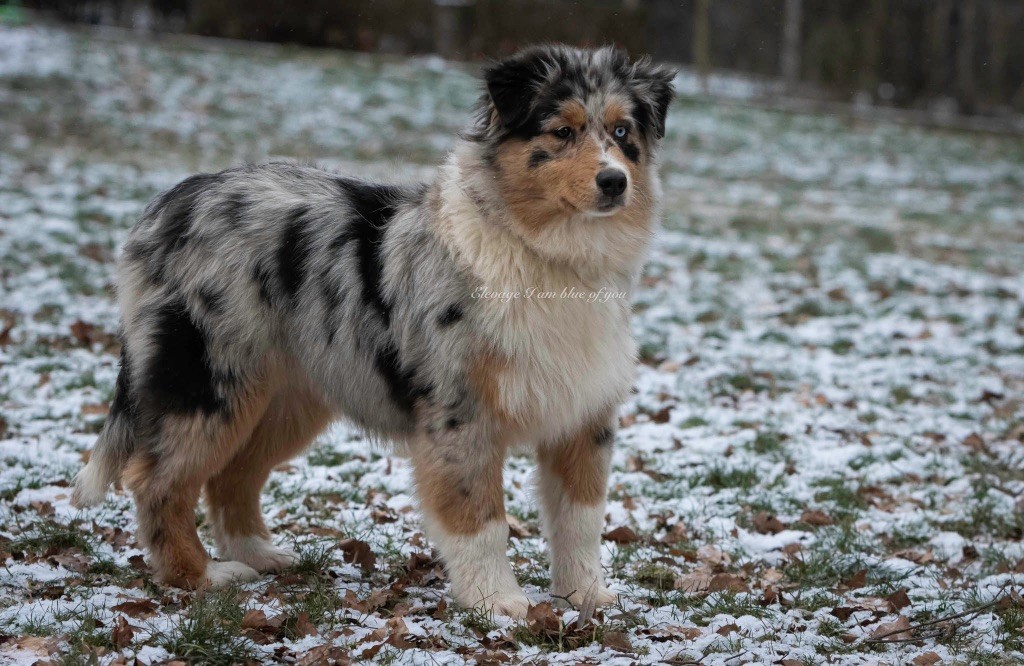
{"x":114,"y":447}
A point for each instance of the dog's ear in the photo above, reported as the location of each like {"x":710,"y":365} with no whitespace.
{"x":512,"y":86}
{"x":652,"y":86}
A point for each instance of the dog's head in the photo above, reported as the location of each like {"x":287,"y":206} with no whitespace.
{"x":572,"y":133}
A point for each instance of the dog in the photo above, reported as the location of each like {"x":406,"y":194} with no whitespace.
{"x":263,"y":302}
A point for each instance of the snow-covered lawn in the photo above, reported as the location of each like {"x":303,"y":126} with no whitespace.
{"x":823,"y":460}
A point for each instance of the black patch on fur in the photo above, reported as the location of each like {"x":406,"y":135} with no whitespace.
{"x":517,"y":91}
{"x":264,"y":283}
{"x":293,"y":252}
{"x":122,"y":404}
{"x":538,"y":157}
{"x":177,"y":206}
{"x":451,"y":315}
{"x":172,"y":212}
{"x":211,"y":299}
{"x":373,"y":206}
{"x":334,"y":298}
{"x":631,"y":151}
{"x":453,"y":423}
{"x":604,"y":437}
{"x":179,"y":378}
{"x":400,"y":381}
{"x":521,"y":94}
{"x":233,"y":209}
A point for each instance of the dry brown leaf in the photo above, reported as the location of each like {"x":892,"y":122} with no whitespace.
{"x":617,"y":640}
{"x":82,"y":331}
{"x":893,"y":631}
{"x":137,"y":608}
{"x":122,"y":634}
{"x":975,"y":442}
{"x":37,"y":644}
{"x":303,"y":627}
{"x":138,"y":563}
{"x":767,"y":523}
{"x":727,"y":629}
{"x":816,"y":518}
{"x":662,"y":415}
{"x":856,"y":581}
{"x":898,"y":600}
{"x":926,"y":659}
{"x":542,"y":618}
{"x":711,"y":555}
{"x":95,"y":409}
{"x":516,"y":527}
{"x":694,"y":583}
{"x":726,"y":581}
{"x":358,"y":552}
{"x":676,"y":534}
{"x":622,"y":534}
{"x":843,"y":613}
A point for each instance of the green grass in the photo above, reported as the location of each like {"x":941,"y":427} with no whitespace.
{"x":210,"y":632}
{"x":47,"y":535}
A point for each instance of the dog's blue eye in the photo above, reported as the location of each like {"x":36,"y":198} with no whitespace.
{"x":563,"y":132}
{"x":621,"y":131}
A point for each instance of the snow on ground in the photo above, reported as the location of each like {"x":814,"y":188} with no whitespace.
{"x":822,"y":462}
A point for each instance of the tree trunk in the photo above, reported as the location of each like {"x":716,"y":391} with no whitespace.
{"x":870,"y":74}
{"x":702,"y":41}
{"x":966,"y":91}
{"x":940,"y":49}
{"x":791,"y":43}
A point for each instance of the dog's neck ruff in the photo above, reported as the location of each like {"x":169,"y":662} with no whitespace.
{"x":478,"y":227}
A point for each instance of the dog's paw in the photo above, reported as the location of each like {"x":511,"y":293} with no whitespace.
{"x":602,"y":596}
{"x":514,"y":606}
{"x":508,"y":600}
{"x":258,"y":553}
{"x":222,"y":574}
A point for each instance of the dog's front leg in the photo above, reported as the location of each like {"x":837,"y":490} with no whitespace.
{"x":461,"y":497}
{"x":572,"y":484}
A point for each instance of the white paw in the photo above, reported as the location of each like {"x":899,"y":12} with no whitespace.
{"x":258,"y":553}
{"x":222,"y":574}
{"x":602,"y":596}
{"x":514,"y":606}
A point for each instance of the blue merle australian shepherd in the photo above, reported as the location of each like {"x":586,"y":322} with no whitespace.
{"x":261,"y":303}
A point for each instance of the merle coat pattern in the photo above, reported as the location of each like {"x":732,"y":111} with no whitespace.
{"x":262,"y":302}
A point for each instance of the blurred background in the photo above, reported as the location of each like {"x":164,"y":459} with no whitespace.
{"x":830,"y":400}
{"x":945,"y":57}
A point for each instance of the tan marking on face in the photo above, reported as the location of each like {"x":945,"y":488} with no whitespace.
{"x":615,"y":111}
{"x":560,"y":187}
{"x":564,"y":185}
{"x":571,"y":113}
{"x":580,"y":463}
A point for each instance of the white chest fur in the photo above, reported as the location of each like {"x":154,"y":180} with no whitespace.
{"x":570,"y":355}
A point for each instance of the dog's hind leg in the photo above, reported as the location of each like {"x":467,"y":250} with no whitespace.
{"x":295,"y":416}
{"x":166,"y":477}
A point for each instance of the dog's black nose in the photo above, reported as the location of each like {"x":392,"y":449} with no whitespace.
{"x":612,"y":182}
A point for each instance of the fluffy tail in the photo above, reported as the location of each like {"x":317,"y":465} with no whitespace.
{"x":113,"y":448}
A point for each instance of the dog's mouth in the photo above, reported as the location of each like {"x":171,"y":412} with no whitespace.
{"x":604,"y":208}
{"x":608,"y":206}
